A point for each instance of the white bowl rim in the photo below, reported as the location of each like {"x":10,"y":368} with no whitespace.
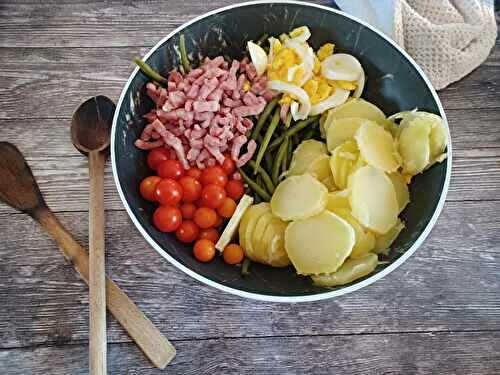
{"x":270,"y":297}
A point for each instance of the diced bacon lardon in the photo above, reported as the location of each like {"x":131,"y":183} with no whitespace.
{"x":200,"y":116}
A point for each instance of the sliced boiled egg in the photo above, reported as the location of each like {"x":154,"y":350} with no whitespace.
{"x":342,"y":67}
{"x":258,"y":57}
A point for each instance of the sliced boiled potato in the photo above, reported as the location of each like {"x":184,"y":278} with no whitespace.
{"x":383,"y":242}
{"x":343,"y":162}
{"x":320,"y":167}
{"x":258,"y":231}
{"x":377,"y":147}
{"x":276,"y":255}
{"x":414,"y":147}
{"x":365,"y":240}
{"x":401,"y":189}
{"x":247,"y":225}
{"x":355,"y":107}
{"x":373,"y":199}
{"x":304,"y":155}
{"x":338,"y":199}
{"x":233,"y":224}
{"x":351,"y":270}
{"x":341,"y":130}
{"x":329,"y":182}
{"x":319,"y":244}
{"x":299,"y":197}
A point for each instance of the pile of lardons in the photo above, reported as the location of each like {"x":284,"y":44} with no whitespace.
{"x":201,"y":115}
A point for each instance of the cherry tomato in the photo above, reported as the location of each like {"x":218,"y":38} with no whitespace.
{"x":227,"y":208}
{"x":204,"y":250}
{"x":228,"y":165}
{"x":194,"y":172}
{"x":213,"y":196}
{"x":156,"y":156}
{"x":214,"y":175}
{"x":171,"y":169}
{"x":219,"y":221}
{"x":147,"y":187}
{"x":235,"y":189}
{"x":191,"y":189}
{"x":205,"y":217}
{"x":167,"y":218}
{"x":233,"y":254}
{"x":188,"y":210}
{"x":187,"y":232}
{"x":168,"y":192}
{"x":210,"y":234}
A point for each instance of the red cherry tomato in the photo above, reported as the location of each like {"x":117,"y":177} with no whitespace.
{"x":204,"y":250}
{"x":147,"y":187}
{"x":156,"y":156}
{"x":205,"y":217}
{"x":168,"y":192}
{"x":167,"y":218}
{"x":227,"y":208}
{"x":233,"y":254}
{"x":210,"y":234}
{"x":213,"y":196}
{"x":191,"y":189}
{"x":228,"y":165}
{"x":187,"y":232}
{"x":188,"y":210}
{"x":171,"y":169}
{"x":194,"y":172}
{"x":219,"y":221}
{"x":235,"y":189}
{"x":214,"y":175}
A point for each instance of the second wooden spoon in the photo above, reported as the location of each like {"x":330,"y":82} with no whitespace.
{"x":90,"y":133}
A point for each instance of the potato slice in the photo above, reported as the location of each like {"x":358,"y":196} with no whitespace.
{"x":338,"y":199}
{"x":414,"y":146}
{"x":275,"y":244}
{"x":373,"y":199}
{"x":401,"y":189}
{"x":319,"y":244}
{"x":329,"y":182}
{"x":376,"y":147}
{"x":320,"y":167}
{"x":258,"y":244}
{"x":344,"y":161}
{"x":299,"y":197}
{"x":383,"y":242}
{"x":353,"y":108}
{"x":350,"y":271}
{"x":304,"y":155}
{"x":365,"y":241}
{"x":247,"y":225}
{"x":341,"y":130}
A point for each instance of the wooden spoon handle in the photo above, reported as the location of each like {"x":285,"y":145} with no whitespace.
{"x":154,"y":345}
{"x":97,"y":271}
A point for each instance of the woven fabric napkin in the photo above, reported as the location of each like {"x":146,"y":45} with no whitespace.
{"x":447,"y":38}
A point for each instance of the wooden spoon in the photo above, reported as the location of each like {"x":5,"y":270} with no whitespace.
{"x":19,"y":189}
{"x":90,"y":133}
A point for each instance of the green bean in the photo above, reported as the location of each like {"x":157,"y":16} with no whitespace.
{"x":184,"y":56}
{"x":288,"y":120}
{"x":308,"y":134}
{"x":265,"y":177}
{"x":150,"y":72}
{"x":263,"y":117}
{"x":267,"y":138}
{"x":262,"y":39}
{"x":288,"y":157}
{"x":268,"y":161}
{"x":245,"y":267}
{"x":292,"y":130}
{"x":279,"y":159}
{"x":255,"y":186}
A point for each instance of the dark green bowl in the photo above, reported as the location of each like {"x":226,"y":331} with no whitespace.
{"x":394,"y":83}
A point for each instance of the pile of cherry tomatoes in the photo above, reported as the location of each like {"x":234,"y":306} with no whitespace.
{"x":193,"y":203}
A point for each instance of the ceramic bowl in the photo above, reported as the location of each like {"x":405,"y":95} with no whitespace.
{"x":394,"y":83}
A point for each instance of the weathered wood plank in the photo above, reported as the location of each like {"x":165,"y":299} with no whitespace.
{"x":97,"y":24}
{"x":64,"y":179}
{"x":440,"y":353}
{"x":451,"y":283}
{"x":31,"y":78}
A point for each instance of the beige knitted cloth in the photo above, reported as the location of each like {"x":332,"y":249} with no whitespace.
{"x":447,"y":38}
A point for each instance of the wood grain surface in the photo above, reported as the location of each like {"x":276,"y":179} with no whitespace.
{"x":437,"y":314}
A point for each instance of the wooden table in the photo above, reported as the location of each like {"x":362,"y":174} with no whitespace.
{"x":439,"y":313}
